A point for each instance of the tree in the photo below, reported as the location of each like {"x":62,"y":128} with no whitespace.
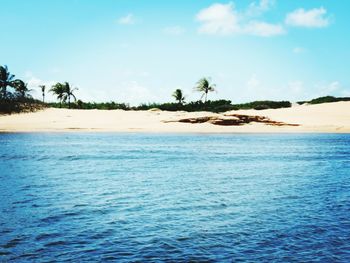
{"x":43,"y":88}
{"x":204,"y":86}
{"x":80,"y":104}
{"x":21,"y":88}
{"x":6,"y":79}
{"x":179,"y":96}
{"x":68,"y":90}
{"x":58,"y":90}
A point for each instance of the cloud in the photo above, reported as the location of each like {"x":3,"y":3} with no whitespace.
{"x":330,"y":88}
{"x":34,"y":83}
{"x":264,"y":29}
{"x":55,"y":70}
{"x":313,"y":18}
{"x":133,"y":92}
{"x":255,"y":87}
{"x":129,"y":19}
{"x":253,"y":82}
{"x":296,"y":87}
{"x":256,"y":9}
{"x":345,"y":93}
{"x":223,"y":19}
{"x":298,"y":50}
{"x":174,"y":30}
{"x":218,"y":19}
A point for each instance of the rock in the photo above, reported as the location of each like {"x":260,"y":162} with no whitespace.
{"x":234,"y":120}
{"x":154,"y":109}
{"x":195,"y":120}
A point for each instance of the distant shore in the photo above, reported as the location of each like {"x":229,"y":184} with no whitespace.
{"x":320,"y":118}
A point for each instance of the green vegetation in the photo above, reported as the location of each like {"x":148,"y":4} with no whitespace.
{"x":204,"y":86}
{"x":14,"y":94}
{"x":179,"y":96}
{"x":92,"y":105}
{"x":263,"y":105}
{"x":216,"y":106}
{"x":15,"y":97}
{"x":325,"y":99}
{"x":64,"y":92}
{"x":213,"y":106}
{"x":6,"y":80}
{"x":43,"y":88}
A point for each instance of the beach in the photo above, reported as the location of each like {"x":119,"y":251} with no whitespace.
{"x":320,"y":118}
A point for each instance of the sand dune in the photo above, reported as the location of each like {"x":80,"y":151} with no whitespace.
{"x":329,"y":118}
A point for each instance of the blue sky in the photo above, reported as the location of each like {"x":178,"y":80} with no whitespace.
{"x":141,"y":51}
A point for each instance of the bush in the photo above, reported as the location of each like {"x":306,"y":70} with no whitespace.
{"x":328,"y":99}
{"x":19,"y":104}
{"x":265,"y":104}
{"x":212,"y":106}
{"x":261,"y":107}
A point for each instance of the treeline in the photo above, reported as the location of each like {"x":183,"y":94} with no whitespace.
{"x":14,"y":94}
{"x":216,"y":106}
{"x":326,"y":99}
{"x":15,"y":97}
{"x":213,"y":106}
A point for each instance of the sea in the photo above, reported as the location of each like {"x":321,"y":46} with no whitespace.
{"x":133,"y":197}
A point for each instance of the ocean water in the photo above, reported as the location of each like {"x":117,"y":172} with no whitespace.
{"x":83,"y":197}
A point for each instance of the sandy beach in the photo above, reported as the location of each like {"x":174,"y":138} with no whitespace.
{"x":327,"y":118}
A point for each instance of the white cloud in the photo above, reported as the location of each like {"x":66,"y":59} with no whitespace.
{"x":330,"y":88}
{"x":133,"y":92}
{"x":335,"y":85}
{"x":34,"y":83}
{"x":129,"y":19}
{"x":174,"y":30}
{"x":127,"y":73}
{"x":256,"y":9}
{"x":333,"y":88}
{"x":256,"y":89}
{"x":345,"y":93}
{"x":223,"y":19}
{"x":218,"y":19}
{"x":308,"y":18}
{"x":264,"y":29}
{"x":296,"y":87}
{"x":298,"y":50}
{"x":253,"y":82}
{"x":55,"y":70}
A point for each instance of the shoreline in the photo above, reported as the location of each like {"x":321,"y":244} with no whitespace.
{"x":320,"y":118}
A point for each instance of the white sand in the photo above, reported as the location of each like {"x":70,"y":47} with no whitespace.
{"x":328,"y":117}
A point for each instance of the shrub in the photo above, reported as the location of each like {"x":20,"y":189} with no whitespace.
{"x":328,"y":99}
{"x":266,"y":104}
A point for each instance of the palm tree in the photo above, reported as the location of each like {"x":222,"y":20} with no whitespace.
{"x":204,"y":86}
{"x":6,"y":79}
{"x":68,"y":90}
{"x":43,"y":87}
{"x":21,"y":87}
{"x":179,"y":96}
{"x":59,"y":91}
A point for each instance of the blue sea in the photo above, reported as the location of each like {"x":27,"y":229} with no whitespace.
{"x":99,"y":197}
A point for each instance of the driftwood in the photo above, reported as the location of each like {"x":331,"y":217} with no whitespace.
{"x":233,"y":120}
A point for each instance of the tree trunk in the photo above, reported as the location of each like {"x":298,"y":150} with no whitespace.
{"x":68,"y":102}
{"x":3,"y":91}
{"x":206,"y":94}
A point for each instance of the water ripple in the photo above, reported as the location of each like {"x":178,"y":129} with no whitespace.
{"x":174,"y":198}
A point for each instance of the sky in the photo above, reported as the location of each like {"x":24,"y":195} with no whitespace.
{"x":139,"y":51}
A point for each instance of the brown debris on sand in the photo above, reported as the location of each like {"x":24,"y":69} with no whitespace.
{"x":233,"y":120}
